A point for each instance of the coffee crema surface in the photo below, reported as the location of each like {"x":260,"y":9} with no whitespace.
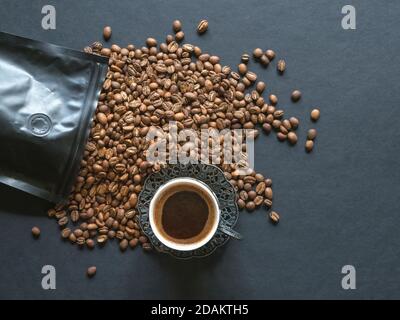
{"x":185,"y":214}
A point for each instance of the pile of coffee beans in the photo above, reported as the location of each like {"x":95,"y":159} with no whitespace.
{"x":148,"y":87}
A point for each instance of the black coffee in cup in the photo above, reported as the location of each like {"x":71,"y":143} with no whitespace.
{"x":185,"y":213}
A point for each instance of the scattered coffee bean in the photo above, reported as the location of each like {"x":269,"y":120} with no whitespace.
{"x":294,"y":122}
{"x":151,"y":42}
{"x":250,"y":206}
{"x":91,"y":271}
{"x":274,"y":217}
{"x":296,"y":95}
{"x":242,"y":68}
{"x":264,"y":60}
{"x":311,"y":135}
{"x":176,"y":26}
{"x":292,"y":137}
{"x":267,"y":128}
{"x":123,"y":245}
{"x":260,"y":87}
{"x":270,"y":54}
{"x":281,"y":66}
{"x":315,"y":113}
{"x":202,"y":26}
{"x":36,"y":232}
{"x":309,"y":145}
{"x":257,"y":53}
{"x":245,"y":58}
{"x":107,"y":33}
{"x":273,"y":99}
{"x":179,"y":36}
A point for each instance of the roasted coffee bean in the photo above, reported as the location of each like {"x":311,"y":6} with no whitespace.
{"x":242,"y":68}
{"x":147,"y":246}
{"x":268,"y":193}
{"x":273,"y":99}
{"x":151,"y":42}
{"x":257,"y":53}
{"x":133,"y":243}
{"x":281,"y":136}
{"x":311,"y":134}
{"x":268,"y":203}
{"x":245,"y":58}
{"x":107,"y":33}
{"x":202,"y":26}
{"x":315,"y":113}
{"x":274,"y":217}
{"x":270,"y":54}
{"x":258,"y":200}
{"x":252,"y":194}
{"x":264,"y":60}
{"x":36,"y":232}
{"x":241,"y":204}
{"x":294,"y":122}
{"x":309,"y":145}
{"x":123,"y":245}
{"x":91,"y":271}
{"x":292,"y":137}
{"x":65,"y":233}
{"x":179,"y":36}
{"x":176,"y":26}
{"x":281,"y":66}
{"x":296,"y":95}
{"x":260,"y":87}
{"x":250,"y":206}
{"x":260,"y":189}
{"x":267,"y":128}
{"x":90,"y":243}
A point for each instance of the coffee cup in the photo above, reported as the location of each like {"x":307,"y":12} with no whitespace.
{"x":184,"y":214}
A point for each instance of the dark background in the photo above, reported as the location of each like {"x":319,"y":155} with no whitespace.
{"x":338,"y":205}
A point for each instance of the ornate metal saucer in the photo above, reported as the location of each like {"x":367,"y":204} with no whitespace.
{"x":208,"y":174}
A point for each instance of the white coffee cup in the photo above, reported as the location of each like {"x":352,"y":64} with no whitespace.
{"x":215,"y":214}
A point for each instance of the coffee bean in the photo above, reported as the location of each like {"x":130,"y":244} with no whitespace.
{"x":260,"y":87}
{"x":258,"y":200}
{"x":36,"y":232}
{"x":312,"y":134}
{"x":179,"y":36}
{"x":270,"y":54}
{"x":251,"y":76}
{"x":90,"y":243}
{"x":176,"y":26}
{"x":315,"y":113}
{"x":268,"y":193}
{"x":257,"y":53}
{"x":202,"y":26}
{"x":250,"y":206}
{"x":267,"y":128}
{"x":242,"y":68}
{"x":252,"y":194}
{"x":65,"y":233}
{"x":309,"y":145}
{"x":264,"y":60}
{"x":296,"y":95}
{"x":123,"y":245}
{"x":268,"y":203}
{"x":274,"y":217}
{"x":260,"y":189}
{"x":292,"y":137}
{"x":281,"y":136}
{"x":241,"y":204}
{"x":294,"y":122}
{"x":91,"y":271}
{"x":133,"y":243}
{"x":273,"y":99}
{"x":151,"y":42}
{"x":268,"y":182}
{"x":245,"y":58}
{"x":107,"y":33}
{"x":281,"y":66}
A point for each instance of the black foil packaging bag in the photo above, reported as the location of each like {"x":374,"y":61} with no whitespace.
{"x":48,"y":95}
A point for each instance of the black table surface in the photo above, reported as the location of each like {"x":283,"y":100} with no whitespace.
{"x":339,"y":205}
